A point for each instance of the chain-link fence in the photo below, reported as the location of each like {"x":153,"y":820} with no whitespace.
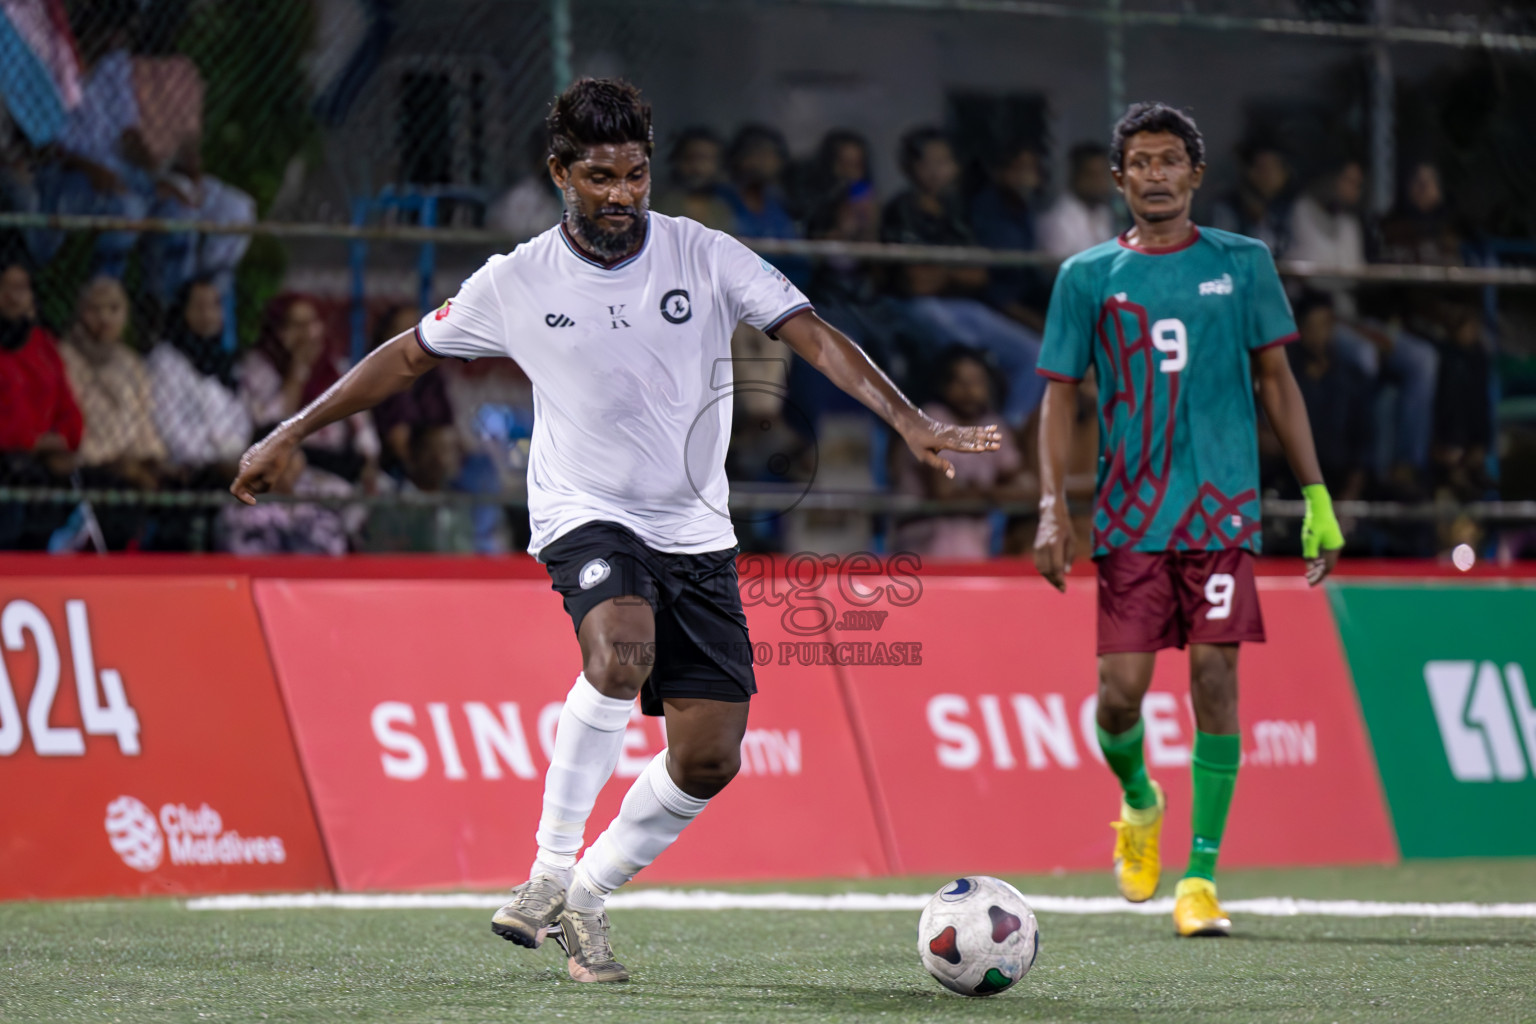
{"x":294,"y":182}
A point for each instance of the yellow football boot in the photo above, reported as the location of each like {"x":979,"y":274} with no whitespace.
{"x":1195,"y":910}
{"x":1137,"y":864}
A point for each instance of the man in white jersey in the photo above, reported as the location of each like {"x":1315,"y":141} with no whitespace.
{"x":622,"y":319}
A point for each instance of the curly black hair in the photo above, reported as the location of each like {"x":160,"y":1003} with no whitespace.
{"x":1156,"y":117}
{"x":595,"y":111}
{"x":947,"y":364}
{"x":914,"y":143}
{"x":688,"y":136}
{"x":751,"y":135}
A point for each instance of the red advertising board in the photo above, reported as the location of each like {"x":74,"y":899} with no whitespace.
{"x":986,"y":757}
{"x":424,"y":709}
{"x":143,"y":745}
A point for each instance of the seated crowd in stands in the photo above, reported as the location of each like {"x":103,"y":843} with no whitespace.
{"x":130,"y":147}
{"x":156,"y":394}
{"x":89,"y":409}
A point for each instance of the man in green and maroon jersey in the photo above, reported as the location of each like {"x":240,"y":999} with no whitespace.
{"x":1182,"y":325}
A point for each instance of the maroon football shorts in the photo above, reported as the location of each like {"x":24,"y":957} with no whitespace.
{"x":1149,"y":600}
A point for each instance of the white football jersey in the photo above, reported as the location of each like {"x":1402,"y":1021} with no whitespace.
{"x":631,"y":373}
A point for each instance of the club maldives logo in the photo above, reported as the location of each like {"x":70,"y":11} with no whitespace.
{"x":134,"y":834}
{"x":194,"y":837}
{"x":1480,"y":729}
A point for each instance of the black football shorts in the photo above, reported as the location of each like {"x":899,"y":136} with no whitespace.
{"x":702,"y":649}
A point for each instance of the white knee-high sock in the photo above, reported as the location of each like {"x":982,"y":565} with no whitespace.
{"x":588,"y":741}
{"x":654,"y":813}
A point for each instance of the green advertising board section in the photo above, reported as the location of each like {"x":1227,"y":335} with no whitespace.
{"x":1444,"y":674}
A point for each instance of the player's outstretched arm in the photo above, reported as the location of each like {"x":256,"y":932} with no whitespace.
{"x":1054,"y":544}
{"x":847,"y":366}
{"x":1321,"y":538}
{"x":388,"y":369}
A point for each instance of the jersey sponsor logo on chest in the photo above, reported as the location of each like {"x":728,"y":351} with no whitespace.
{"x":676,"y":307}
{"x":1221,"y":286}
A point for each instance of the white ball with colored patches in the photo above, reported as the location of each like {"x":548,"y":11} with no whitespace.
{"x":978,"y":936}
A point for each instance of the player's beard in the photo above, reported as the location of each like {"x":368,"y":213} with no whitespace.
{"x":603,"y":242}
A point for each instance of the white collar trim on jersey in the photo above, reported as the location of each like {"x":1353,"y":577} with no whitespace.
{"x":626,"y":261}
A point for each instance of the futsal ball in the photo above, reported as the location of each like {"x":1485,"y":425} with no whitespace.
{"x":978,"y":936}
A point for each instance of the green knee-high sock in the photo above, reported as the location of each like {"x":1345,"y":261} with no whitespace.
{"x":1124,"y":756}
{"x":1214,"y":770}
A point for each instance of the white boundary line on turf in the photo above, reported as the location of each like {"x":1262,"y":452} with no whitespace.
{"x":703,"y":899}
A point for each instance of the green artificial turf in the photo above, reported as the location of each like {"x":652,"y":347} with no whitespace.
{"x":156,"y":960}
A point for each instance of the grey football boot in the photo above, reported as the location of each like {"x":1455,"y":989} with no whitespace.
{"x":531,"y":914}
{"x":584,"y":937}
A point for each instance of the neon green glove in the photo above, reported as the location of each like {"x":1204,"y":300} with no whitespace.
{"x":1319,"y":527}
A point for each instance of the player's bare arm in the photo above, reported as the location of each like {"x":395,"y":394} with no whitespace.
{"x":1287,"y":414}
{"x":389,"y":369}
{"x":1054,"y":545}
{"x":847,"y":366}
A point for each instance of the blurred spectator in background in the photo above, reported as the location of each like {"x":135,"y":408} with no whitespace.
{"x":1402,"y":367}
{"x":838,"y":194}
{"x":1003,"y":217}
{"x":840,"y":198}
{"x":186,"y":193}
{"x":40,"y":424}
{"x":435,"y":461}
{"x":756,"y":162}
{"x":1081,"y":217}
{"x":290,"y":366}
{"x":1338,"y":397}
{"x":776,"y":437}
{"x":492,"y":404}
{"x":694,"y":180}
{"x":1257,"y":207}
{"x":532,"y":205}
{"x":198,"y":413}
{"x":1421,"y":228}
{"x":18,"y":180}
{"x":110,"y":381}
{"x":436,"y":457}
{"x":423,"y":404}
{"x":968,"y":395}
{"x":100,"y":166}
{"x":38,"y":414}
{"x":168,"y":93}
{"x":940,"y":299}
{"x":1463,"y":433}
{"x":288,"y":528}
{"x":1326,"y":229}
{"x":930,"y":212}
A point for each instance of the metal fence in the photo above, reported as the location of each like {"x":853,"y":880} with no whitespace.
{"x":305,"y":174}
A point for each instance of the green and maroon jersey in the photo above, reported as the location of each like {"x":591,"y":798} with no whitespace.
{"x":1169,"y":332}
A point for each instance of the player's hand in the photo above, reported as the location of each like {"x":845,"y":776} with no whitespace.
{"x":262,"y":465}
{"x":1055,"y":547}
{"x":1321,"y":537}
{"x":1318,"y":568}
{"x":927,"y":437}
